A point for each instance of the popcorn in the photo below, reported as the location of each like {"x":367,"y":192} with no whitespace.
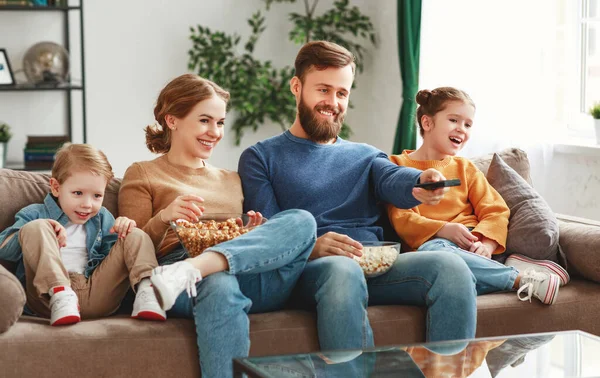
{"x":196,"y":237}
{"x":377,"y":259}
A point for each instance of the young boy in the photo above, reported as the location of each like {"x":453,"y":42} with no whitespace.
{"x":78,"y":260}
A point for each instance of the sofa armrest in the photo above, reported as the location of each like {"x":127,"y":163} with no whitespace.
{"x":580,"y":242}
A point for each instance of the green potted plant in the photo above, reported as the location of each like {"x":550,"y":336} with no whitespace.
{"x":5,"y":136}
{"x":595,"y":113}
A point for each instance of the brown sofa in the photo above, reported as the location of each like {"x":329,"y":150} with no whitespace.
{"x":119,"y":346}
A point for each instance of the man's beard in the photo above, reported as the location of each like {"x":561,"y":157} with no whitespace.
{"x":319,"y":131}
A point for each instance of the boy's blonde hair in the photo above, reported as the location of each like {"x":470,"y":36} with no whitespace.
{"x":434,"y":101}
{"x":80,"y":157}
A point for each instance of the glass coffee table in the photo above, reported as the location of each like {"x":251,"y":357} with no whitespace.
{"x":547,"y":355}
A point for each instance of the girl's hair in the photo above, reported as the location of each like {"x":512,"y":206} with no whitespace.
{"x":178,"y":98}
{"x":321,"y":55}
{"x":434,"y":101}
{"x":80,"y":157}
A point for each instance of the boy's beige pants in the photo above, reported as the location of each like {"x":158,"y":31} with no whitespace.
{"x":129,"y":261}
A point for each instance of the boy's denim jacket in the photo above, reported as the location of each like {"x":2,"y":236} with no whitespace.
{"x":99,"y":240}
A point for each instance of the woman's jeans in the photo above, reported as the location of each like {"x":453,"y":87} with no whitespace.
{"x":337,"y":288}
{"x":491,"y":276}
{"x":264,"y":266}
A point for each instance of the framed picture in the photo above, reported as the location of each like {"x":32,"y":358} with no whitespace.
{"x":6,"y":75}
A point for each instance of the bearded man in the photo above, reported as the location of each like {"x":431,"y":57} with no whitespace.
{"x":341,"y":183}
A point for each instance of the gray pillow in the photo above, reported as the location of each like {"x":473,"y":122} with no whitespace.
{"x":533,"y":227}
{"x":12,"y":299}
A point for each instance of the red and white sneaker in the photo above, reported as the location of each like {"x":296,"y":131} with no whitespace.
{"x":541,"y":285}
{"x":64,"y":306}
{"x":522,"y":263}
{"x":146,"y":305}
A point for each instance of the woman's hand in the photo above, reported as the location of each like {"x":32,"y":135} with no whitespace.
{"x":256,"y":218}
{"x":459,"y":234}
{"x":61,"y":233}
{"x":123,"y":226}
{"x":188,"y":207}
{"x":430,"y":197}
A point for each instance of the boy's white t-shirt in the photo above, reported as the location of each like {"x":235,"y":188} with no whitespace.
{"x":75,"y":255}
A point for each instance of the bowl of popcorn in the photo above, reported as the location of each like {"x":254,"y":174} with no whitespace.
{"x":377,"y":257}
{"x":212,"y":229}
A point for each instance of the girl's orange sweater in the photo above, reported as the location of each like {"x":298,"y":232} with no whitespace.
{"x":475,"y":204}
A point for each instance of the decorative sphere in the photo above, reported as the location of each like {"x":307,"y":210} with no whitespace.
{"x":46,"y":63}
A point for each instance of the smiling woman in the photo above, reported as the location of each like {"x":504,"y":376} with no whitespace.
{"x":253,"y":272}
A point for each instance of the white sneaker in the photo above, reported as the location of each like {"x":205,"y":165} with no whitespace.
{"x":64,"y":306}
{"x":146,"y":305}
{"x":542,"y":285}
{"x":522,"y":263}
{"x":171,"y":280}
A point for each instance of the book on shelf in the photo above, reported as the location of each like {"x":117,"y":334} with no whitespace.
{"x":40,"y":150}
{"x":37,"y":139}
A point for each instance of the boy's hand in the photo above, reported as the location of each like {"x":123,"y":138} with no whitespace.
{"x":186,"y":207}
{"x":430,"y":197}
{"x":61,"y":233}
{"x":334,"y":244}
{"x":123,"y":226}
{"x":459,"y":234}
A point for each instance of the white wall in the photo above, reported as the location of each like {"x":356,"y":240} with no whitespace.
{"x":133,"y":48}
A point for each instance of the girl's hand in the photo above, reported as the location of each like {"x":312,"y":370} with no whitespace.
{"x":61,"y":233}
{"x":123,"y":226}
{"x":459,"y":234}
{"x":488,"y":246}
{"x":481,"y":249}
{"x":430,"y":197}
{"x":186,"y":207}
{"x":256,"y":218}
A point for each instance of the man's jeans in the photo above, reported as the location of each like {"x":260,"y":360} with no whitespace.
{"x":491,"y":276}
{"x":337,"y":288}
{"x":264,"y":266}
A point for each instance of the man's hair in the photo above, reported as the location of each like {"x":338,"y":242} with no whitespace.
{"x":80,"y":157}
{"x":434,"y":101}
{"x":321,"y":55}
{"x":178,"y":98}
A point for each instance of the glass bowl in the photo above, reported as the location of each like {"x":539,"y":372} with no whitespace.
{"x":211,"y":229}
{"x":378,"y":257}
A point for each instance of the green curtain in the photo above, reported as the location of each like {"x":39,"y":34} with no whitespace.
{"x":409,"y":40}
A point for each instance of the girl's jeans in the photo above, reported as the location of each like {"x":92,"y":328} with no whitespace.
{"x":491,"y":276}
{"x":264,"y":266}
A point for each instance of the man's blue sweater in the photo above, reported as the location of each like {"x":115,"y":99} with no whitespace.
{"x":341,"y":184}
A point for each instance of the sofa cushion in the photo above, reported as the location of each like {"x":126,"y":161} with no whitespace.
{"x":532,"y":227}
{"x":22,"y":188}
{"x":12,"y":299}
{"x":514,"y":157}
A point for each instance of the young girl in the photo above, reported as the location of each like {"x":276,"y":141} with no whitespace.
{"x":78,"y":261}
{"x":255,"y":272}
{"x":472,"y":219}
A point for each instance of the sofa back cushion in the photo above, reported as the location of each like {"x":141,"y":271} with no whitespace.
{"x":533,"y":227}
{"x":20,"y":188}
{"x":514,"y":157}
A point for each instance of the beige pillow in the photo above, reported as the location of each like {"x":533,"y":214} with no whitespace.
{"x":533,"y":227}
{"x":12,"y":299}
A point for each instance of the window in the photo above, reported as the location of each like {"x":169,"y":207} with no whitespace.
{"x":590,"y":53}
